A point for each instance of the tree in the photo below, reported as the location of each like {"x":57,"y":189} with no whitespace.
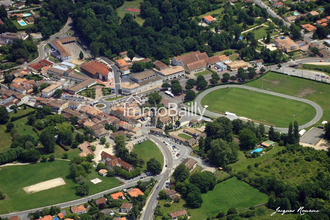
{"x":190,"y":95}
{"x":194,"y":200}
{"x":251,"y":72}
{"x":2,"y":195}
{"x":154,"y":98}
{"x":51,"y":157}
{"x":4,"y":115}
{"x":166,"y":86}
{"x":154,"y":166}
{"x":81,"y":55}
{"x":191,"y":82}
{"x":222,"y":153}
{"x":103,"y":140}
{"x":181,"y":173}
{"x":327,"y":131}
{"x":35,"y":89}
{"x":267,"y":41}
{"x":201,"y":85}
{"x":279,"y":66}
{"x":177,"y":123}
{"x":46,"y":110}
{"x":58,"y":93}
{"x":205,"y":181}
{"x":31,"y":119}
{"x":82,"y":190}
{"x":130,"y":54}
{"x":138,"y":67}
{"x":262,"y":70}
{"x":225,"y":77}
{"x":10,"y":126}
{"x":241,"y":73}
{"x":295,"y":136}
{"x":314,"y":50}
{"x":247,"y":139}
{"x":176,"y":87}
{"x":31,"y":155}
{"x":47,"y":138}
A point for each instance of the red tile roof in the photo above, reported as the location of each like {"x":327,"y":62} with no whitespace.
{"x":115,"y":196}
{"x":135,"y":192}
{"x":77,"y":209}
{"x":95,"y":67}
{"x":209,"y":18}
{"x":101,"y":201}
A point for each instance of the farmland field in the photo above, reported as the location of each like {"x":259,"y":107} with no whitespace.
{"x":268,"y":109}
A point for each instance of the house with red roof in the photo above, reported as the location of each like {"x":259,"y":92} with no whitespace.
{"x":209,"y":19}
{"x":97,"y":70}
{"x":112,"y":161}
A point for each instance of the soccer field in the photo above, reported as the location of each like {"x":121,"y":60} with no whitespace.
{"x":268,"y":109}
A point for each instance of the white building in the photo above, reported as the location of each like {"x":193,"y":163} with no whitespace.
{"x":50,"y":90}
{"x":171,"y":72}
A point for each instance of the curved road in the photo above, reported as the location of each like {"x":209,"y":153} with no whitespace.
{"x":148,"y":211}
{"x":317,"y":117}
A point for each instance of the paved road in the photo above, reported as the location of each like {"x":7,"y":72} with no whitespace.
{"x":317,"y":117}
{"x":115,"y":72}
{"x":148,"y":211}
{"x":270,"y":11}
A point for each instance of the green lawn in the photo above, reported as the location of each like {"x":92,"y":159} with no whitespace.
{"x":215,"y":13}
{"x":88,"y":93}
{"x":230,"y":193}
{"x":147,"y":150}
{"x":130,"y":4}
{"x":203,"y":73}
{"x":184,"y":136}
{"x":261,"y":107}
{"x":320,"y":68}
{"x":308,"y":89}
{"x":19,"y":27}
{"x":5,"y":140}
{"x":14,"y":178}
{"x":24,"y":129}
{"x":227,"y":194}
{"x":261,"y":32}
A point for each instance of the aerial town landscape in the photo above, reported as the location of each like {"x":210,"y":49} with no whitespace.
{"x":164,"y":109}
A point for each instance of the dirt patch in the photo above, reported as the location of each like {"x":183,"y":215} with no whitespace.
{"x":44,"y":185}
{"x":306,"y":92}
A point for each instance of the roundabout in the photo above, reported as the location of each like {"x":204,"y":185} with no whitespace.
{"x":100,"y":105}
{"x":261,"y":106}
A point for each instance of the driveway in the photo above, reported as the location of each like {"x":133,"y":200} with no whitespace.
{"x":317,"y":117}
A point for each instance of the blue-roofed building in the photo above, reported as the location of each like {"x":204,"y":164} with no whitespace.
{"x":220,"y":66}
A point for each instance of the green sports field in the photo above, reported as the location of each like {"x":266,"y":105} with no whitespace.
{"x":14,"y":178}
{"x":147,"y":150}
{"x":308,"y":89}
{"x":257,"y":106}
{"x":130,"y":4}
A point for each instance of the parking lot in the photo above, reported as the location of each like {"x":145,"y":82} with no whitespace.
{"x":313,"y":136}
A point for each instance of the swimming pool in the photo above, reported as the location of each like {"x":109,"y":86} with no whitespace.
{"x":27,"y":15}
{"x":256,"y":150}
{"x":22,"y":23}
{"x":296,"y":13}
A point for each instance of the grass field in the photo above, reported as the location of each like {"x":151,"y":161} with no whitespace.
{"x":203,"y":73}
{"x":184,"y":136}
{"x":147,"y":150}
{"x":320,"y":68}
{"x":24,"y":129}
{"x":308,"y":89}
{"x":17,"y":199}
{"x":261,"y":32}
{"x":19,"y":27}
{"x":130,"y":4}
{"x":261,"y":107}
{"x":230,"y":193}
{"x":5,"y":140}
{"x":216,"y":12}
